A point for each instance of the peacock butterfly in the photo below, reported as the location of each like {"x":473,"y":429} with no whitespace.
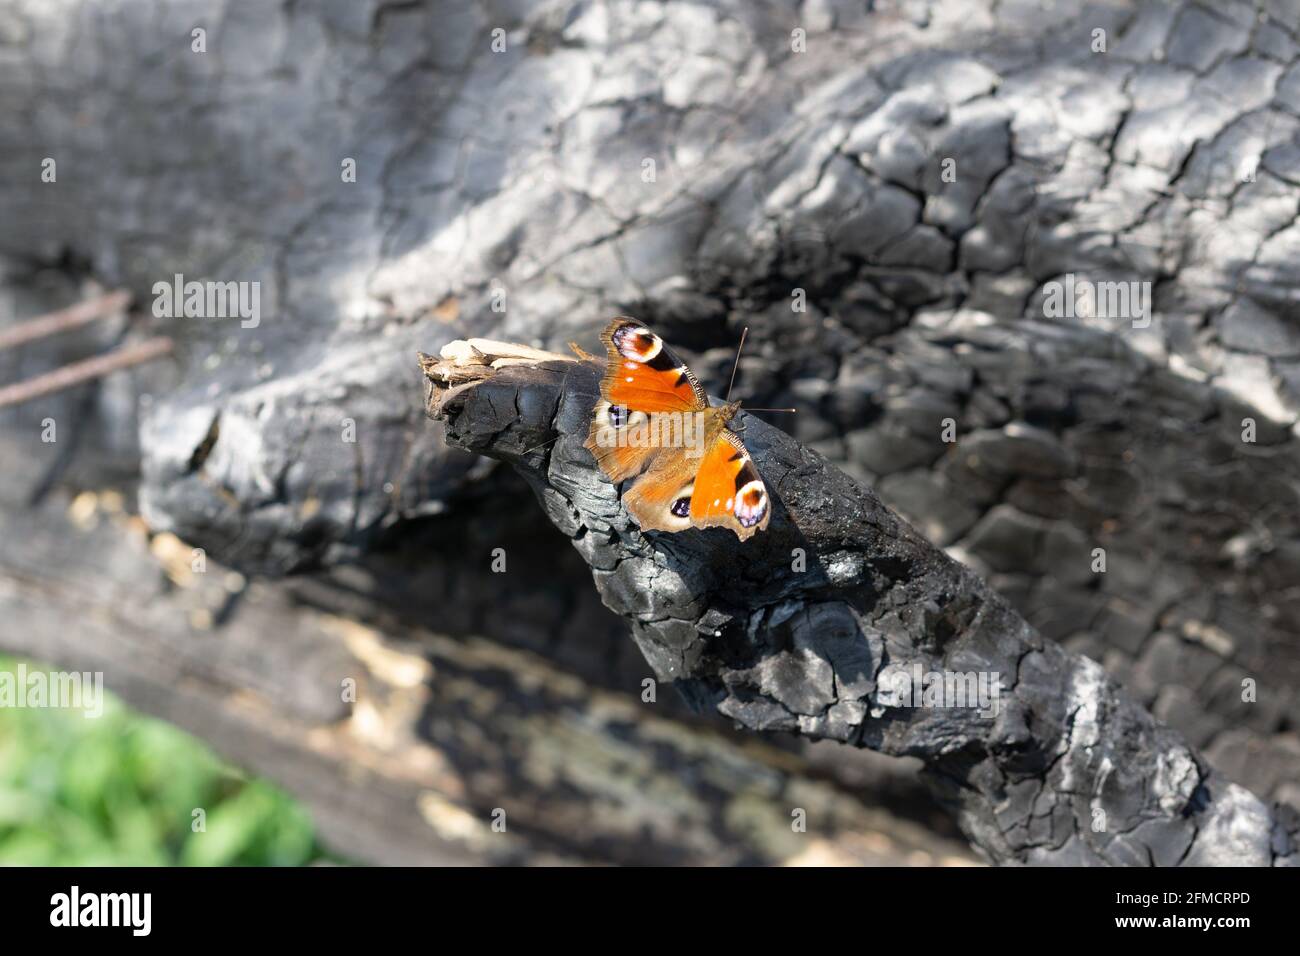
{"x":653,"y":427}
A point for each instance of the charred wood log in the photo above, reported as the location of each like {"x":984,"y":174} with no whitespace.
{"x":1062,"y":767}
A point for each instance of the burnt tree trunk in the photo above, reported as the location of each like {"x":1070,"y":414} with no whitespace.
{"x":918,"y":178}
{"x":1065,"y":768}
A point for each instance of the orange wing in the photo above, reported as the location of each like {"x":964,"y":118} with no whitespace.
{"x":610,"y":440}
{"x":660,"y":499}
{"x":643,"y":378}
{"x":728,"y":490}
{"x":644,"y":375}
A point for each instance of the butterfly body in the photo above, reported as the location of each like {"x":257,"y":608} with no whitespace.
{"x":653,"y":427}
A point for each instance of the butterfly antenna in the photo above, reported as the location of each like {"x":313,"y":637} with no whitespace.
{"x":735,"y":368}
{"x":542,"y":445}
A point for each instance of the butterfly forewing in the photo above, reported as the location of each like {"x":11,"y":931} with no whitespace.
{"x":645,"y":374}
{"x":728,"y":491}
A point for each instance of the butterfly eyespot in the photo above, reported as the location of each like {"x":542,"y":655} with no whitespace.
{"x":751,"y":504}
{"x":681,"y":507}
{"x":637,"y":343}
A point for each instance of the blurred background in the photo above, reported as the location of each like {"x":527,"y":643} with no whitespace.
{"x":252,"y":531}
{"x":121,"y":790}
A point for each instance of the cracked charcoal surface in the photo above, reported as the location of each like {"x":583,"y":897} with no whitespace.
{"x":740,"y":630}
{"x":522,"y":171}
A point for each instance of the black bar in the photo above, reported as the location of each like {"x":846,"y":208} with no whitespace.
{"x":333,"y":904}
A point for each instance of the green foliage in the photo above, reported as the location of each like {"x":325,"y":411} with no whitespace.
{"x":122,"y":789}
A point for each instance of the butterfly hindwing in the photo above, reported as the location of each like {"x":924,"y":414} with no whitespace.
{"x":660,"y":499}
{"x":607,"y":439}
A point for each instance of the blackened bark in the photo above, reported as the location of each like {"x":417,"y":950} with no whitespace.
{"x":1065,"y":768}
